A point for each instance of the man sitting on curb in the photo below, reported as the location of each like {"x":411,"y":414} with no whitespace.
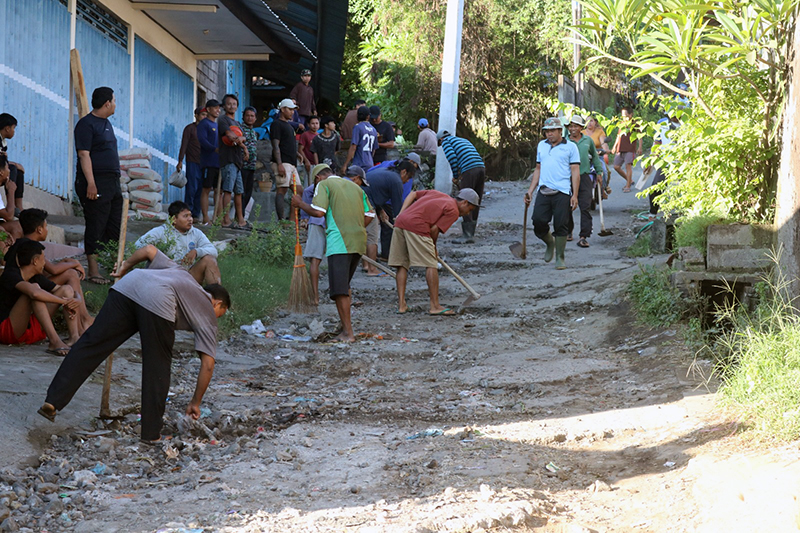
{"x":67,"y":272}
{"x":28,"y":301}
{"x":153,"y":302}
{"x":347,"y":211}
{"x":185,"y":244}
{"x":425,"y":214}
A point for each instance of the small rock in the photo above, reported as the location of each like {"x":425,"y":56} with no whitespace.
{"x":355,"y":490}
{"x":9,"y":524}
{"x":5,"y":512}
{"x":105,"y":445}
{"x":560,"y":437}
{"x":82,"y":477}
{"x":284,"y":455}
{"x":433,"y":463}
{"x":599,"y":486}
{"x":55,"y":507}
{"x":46,"y":488}
{"x":486,"y":492}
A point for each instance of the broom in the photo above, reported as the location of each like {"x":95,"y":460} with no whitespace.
{"x":301,"y":297}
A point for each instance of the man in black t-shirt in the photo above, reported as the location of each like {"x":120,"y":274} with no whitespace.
{"x":385,"y":134}
{"x":97,"y":178}
{"x":28,"y":300}
{"x":284,"y":154}
{"x":232,"y":153}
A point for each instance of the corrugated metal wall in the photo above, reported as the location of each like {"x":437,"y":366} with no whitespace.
{"x":34,"y":66}
{"x":34,"y":52}
{"x":164,"y":99}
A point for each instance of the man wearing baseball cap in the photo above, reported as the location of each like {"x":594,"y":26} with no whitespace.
{"x":426,"y":142}
{"x":556,"y":179}
{"x":468,"y":168}
{"x":424,"y":216}
{"x":303,"y":94}
{"x":190,"y":149}
{"x":284,"y":154}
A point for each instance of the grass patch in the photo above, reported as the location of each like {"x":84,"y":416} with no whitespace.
{"x":693,"y":231}
{"x":655,"y":300}
{"x":95,"y":296}
{"x":640,"y":247}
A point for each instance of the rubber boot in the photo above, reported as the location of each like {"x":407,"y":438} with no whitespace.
{"x":561,"y":244}
{"x":550,"y":241}
{"x":467,"y":232}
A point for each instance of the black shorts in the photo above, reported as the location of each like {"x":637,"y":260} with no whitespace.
{"x":210,"y":177}
{"x":341,"y":268}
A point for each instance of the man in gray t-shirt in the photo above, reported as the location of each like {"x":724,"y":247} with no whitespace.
{"x":153,"y":302}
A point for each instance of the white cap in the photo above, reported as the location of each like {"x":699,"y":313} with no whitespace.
{"x":287,"y":102}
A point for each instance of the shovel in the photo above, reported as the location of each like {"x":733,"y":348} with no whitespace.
{"x":473,"y":294}
{"x":519,"y":249}
{"x":603,"y":231}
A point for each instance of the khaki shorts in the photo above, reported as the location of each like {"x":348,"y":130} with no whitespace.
{"x":373,"y":232}
{"x":409,"y":249}
{"x":290,"y":172}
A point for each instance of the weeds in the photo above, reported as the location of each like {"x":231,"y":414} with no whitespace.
{"x":655,"y":300}
{"x":640,"y":247}
{"x":693,"y":231}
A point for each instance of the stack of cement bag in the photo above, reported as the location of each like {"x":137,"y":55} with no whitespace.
{"x":141,"y":184}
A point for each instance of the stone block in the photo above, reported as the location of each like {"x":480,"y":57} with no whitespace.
{"x":266,"y":200}
{"x":738,"y":259}
{"x":658,"y":236}
{"x":740,"y":235}
{"x":691,"y":256}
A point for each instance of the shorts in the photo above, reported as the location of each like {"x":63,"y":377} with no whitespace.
{"x":232,"y":179}
{"x":409,"y":249}
{"x":290,"y":171}
{"x":373,"y":232}
{"x":341,"y":268}
{"x":624,"y":158}
{"x":32,"y":335}
{"x":316,"y":242}
{"x":210,"y":177}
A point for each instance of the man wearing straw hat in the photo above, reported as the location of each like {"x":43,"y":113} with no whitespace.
{"x":347,"y":212}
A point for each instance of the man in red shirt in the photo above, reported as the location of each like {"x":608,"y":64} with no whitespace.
{"x":423,"y":217}
{"x":306,"y":138}
{"x":303,"y":94}
{"x":625,"y":151}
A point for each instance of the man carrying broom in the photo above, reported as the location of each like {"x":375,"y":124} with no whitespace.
{"x":347,"y":212}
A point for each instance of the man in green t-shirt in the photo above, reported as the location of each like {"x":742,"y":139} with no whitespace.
{"x":347,"y":212}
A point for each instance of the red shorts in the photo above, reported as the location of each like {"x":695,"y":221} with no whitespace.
{"x":32,"y":335}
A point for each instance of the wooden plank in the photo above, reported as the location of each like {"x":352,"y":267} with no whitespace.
{"x":78,"y":84}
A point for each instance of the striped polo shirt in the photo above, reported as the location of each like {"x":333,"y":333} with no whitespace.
{"x":461,"y":155}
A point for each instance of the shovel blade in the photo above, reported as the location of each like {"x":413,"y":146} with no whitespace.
{"x":471,"y":298}
{"x":517,"y":250}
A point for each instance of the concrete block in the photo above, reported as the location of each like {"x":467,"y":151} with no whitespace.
{"x":56,"y":234}
{"x":658,"y":237}
{"x":54,"y":205}
{"x":740,"y":235}
{"x":266,"y":200}
{"x":738,"y":259}
{"x":691,"y":256}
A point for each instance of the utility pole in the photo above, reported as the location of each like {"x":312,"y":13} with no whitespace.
{"x":448,"y":99}
{"x":577,"y":15}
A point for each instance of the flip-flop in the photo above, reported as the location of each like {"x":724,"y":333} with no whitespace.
{"x":51,"y":416}
{"x":60,"y":352}
{"x":444,"y":312}
{"x":159,"y":440}
{"x":626,"y":189}
{"x":582,"y":243}
{"x":399,"y":312}
{"x":378,"y":275}
{"x":98,"y":280}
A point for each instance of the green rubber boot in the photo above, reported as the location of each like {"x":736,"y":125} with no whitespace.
{"x":561,"y":244}
{"x":550,"y":241}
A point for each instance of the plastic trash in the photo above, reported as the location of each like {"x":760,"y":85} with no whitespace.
{"x":551,"y":467}
{"x":431,"y":432}
{"x":177,"y":179}
{"x":296,"y":338}
{"x":256,"y":328}
{"x":99,"y":469}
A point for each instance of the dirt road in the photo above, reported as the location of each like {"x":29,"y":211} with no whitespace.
{"x":541,"y":407}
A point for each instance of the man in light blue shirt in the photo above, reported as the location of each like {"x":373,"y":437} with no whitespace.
{"x":556,"y":180}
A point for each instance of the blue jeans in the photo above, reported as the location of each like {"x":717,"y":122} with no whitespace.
{"x":232,"y":179}
{"x":194,"y":186}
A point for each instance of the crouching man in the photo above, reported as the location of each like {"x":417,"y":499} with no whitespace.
{"x":153,"y":302}
{"x":187,"y":245}
{"x":424,"y":216}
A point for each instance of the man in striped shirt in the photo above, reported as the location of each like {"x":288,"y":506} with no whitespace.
{"x":469,"y":170}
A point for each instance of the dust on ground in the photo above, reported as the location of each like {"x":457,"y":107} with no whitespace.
{"x":541,"y":407}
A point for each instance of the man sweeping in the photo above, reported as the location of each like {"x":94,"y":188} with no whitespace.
{"x":424,"y":216}
{"x":153,"y":302}
{"x":347,"y":212}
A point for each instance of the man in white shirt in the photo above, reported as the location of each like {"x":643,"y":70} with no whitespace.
{"x":185,"y":244}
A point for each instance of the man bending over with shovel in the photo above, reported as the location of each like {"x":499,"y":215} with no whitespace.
{"x":153,"y":302}
{"x":425,"y":215}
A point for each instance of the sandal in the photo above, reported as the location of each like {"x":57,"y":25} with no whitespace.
{"x":583,"y":243}
{"x":48,"y":411}
{"x":626,"y":189}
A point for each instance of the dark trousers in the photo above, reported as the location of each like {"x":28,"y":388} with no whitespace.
{"x":194,"y":187}
{"x":18,"y":177}
{"x":553,"y":207}
{"x":116,"y":322}
{"x":658,"y":178}
{"x":104,"y":215}
{"x":473,"y":179}
{"x":248,"y":180}
{"x":386,"y":231}
{"x":585,"y":207}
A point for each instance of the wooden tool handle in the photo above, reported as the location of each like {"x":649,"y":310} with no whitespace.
{"x":524,"y":253}
{"x":472,"y":291}
{"x":379,"y":266}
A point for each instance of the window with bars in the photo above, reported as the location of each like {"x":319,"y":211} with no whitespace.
{"x":103,"y":21}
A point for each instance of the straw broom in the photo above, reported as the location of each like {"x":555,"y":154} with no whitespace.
{"x":301,"y":297}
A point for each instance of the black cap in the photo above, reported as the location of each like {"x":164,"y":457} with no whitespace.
{"x":362,"y":113}
{"x":212,"y":103}
{"x":374,"y":111}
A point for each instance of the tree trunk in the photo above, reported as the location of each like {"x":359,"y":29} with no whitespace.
{"x":787,"y":210}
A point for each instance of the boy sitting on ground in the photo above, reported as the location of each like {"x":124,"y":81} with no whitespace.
{"x":67,"y":272}
{"x":185,"y":244}
{"x":28,"y":301}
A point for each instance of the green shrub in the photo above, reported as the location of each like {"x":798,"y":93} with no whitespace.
{"x":655,"y":301}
